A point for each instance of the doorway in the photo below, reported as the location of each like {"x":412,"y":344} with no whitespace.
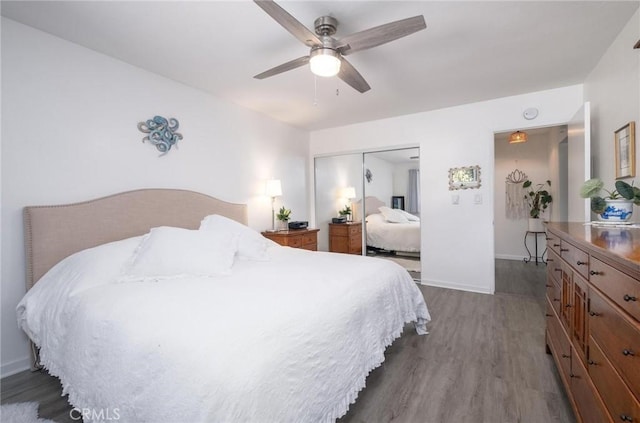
{"x":520,"y":253}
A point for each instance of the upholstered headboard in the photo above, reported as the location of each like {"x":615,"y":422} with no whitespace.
{"x":371,"y":205}
{"x":55,"y":232}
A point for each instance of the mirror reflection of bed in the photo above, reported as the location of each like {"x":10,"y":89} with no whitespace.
{"x":392,"y":207}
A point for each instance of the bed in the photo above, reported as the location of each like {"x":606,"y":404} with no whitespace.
{"x":401,"y":235}
{"x":286,"y":335}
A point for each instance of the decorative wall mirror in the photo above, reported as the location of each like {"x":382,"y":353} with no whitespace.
{"x":464,"y":177}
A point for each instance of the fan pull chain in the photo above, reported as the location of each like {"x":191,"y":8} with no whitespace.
{"x":315,"y":90}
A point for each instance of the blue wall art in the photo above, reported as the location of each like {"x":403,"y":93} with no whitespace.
{"x":162,"y":133}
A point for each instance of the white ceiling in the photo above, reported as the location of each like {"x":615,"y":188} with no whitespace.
{"x":470,"y":51}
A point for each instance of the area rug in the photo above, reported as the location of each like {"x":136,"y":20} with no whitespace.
{"x":22,"y":412}
{"x":410,"y":265}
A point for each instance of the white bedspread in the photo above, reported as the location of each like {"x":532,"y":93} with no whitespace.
{"x":286,"y":340}
{"x":393,"y":236}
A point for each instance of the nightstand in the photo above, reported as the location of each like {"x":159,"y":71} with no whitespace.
{"x":296,"y":238}
{"x":345,"y":237}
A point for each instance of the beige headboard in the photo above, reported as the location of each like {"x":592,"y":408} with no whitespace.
{"x":55,"y":232}
{"x":371,"y":205}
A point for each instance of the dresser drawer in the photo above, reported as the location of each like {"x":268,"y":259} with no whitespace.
{"x":553,"y":295}
{"x":553,"y":242}
{"x":618,"y":399}
{"x":340,"y":229}
{"x":294,"y":241}
{"x":309,"y":239}
{"x":575,"y":257}
{"x":560,"y":345}
{"x":589,"y":402}
{"x":355,"y":230}
{"x":554,"y":268}
{"x":618,"y":338}
{"x":618,"y":286}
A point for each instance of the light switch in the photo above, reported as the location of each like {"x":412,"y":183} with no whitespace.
{"x":455,"y":199}
{"x":477,"y":199}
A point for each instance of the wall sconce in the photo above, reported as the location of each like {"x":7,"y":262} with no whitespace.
{"x":273,"y":189}
{"x":518,"y":137}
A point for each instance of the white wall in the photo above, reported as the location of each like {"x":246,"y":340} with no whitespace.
{"x":532,"y":158}
{"x":381,"y":185}
{"x":613,"y":88}
{"x":69,"y":133}
{"x":457,"y":240}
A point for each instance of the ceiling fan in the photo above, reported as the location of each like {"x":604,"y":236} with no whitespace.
{"x":326,"y":57}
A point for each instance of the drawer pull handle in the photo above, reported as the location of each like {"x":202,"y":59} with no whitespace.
{"x":549,"y":286}
{"x":626,"y":418}
{"x":628,"y":353}
{"x":593,"y":314}
{"x":575,"y":376}
{"x":594,"y":273}
{"x":564,"y":249}
{"x":549,"y":315}
{"x":628,"y":297}
{"x":556,"y":245}
{"x":567,"y":305}
{"x":565,"y":356}
{"x":550,"y":260}
{"x":557,"y":270}
{"x":556,"y":299}
{"x":591,"y":363}
{"x":548,"y":239}
{"x":581,"y":263}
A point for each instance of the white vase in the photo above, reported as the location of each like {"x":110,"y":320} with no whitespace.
{"x":617,"y":211}
{"x":535,"y":224}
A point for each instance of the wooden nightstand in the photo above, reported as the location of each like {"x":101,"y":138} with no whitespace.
{"x":298,"y":238}
{"x":345,"y":237}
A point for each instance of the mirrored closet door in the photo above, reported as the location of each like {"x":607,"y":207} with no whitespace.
{"x":369,"y":203}
{"x":391,"y":206}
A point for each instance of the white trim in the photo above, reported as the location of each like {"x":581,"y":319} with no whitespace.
{"x":510,"y":257}
{"x":15,"y":366}
{"x":457,"y":286}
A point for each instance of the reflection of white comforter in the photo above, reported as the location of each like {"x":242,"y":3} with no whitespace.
{"x":286,"y":340}
{"x":393,"y":236}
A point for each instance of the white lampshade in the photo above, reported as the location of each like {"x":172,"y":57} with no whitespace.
{"x":349,"y":192}
{"x":324,"y":62}
{"x":273,"y":188}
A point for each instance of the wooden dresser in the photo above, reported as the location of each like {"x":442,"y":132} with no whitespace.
{"x":345,"y":237}
{"x":298,"y":238}
{"x":593,"y":318}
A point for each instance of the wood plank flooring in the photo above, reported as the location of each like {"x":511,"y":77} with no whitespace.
{"x":483,"y":361}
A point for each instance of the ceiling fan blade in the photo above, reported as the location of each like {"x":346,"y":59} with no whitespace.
{"x":352,"y":77}
{"x":289,"y":23}
{"x":296,"y":63}
{"x":637,"y":44}
{"x":379,"y":35}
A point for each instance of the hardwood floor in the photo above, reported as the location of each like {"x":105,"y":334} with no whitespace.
{"x":483,"y":361}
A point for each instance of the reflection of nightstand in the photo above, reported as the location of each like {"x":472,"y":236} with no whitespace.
{"x":345,"y":237}
{"x":296,"y":238}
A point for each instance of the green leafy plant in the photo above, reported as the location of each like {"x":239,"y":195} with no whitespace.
{"x":538,"y":198}
{"x":284,"y":214}
{"x":593,"y":187}
{"x":345,"y":212}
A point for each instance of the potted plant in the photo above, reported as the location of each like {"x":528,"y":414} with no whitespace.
{"x":538,"y":199}
{"x":283,"y":217}
{"x":346,"y":212}
{"x":617,"y":205}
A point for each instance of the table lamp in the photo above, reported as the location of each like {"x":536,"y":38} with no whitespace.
{"x":273,"y":189}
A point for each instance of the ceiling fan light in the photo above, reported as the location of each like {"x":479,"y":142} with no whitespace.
{"x":324,"y":62}
{"x":517,"y":137}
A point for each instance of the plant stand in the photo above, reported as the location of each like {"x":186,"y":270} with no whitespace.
{"x":538,"y":258}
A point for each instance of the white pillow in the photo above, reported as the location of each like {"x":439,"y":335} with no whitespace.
{"x":169,"y":252}
{"x":251,"y":244}
{"x":393,"y":215}
{"x":409,"y":216}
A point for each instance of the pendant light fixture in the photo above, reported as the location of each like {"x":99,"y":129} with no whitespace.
{"x":517,"y":137}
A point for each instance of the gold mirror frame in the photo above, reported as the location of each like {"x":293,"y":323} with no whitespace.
{"x":464,"y":177}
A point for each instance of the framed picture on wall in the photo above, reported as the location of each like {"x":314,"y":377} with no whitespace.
{"x":625,"y":151}
{"x":397,"y":202}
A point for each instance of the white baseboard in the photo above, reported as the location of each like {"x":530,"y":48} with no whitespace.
{"x":459,"y":287}
{"x":510,"y":257}
{"x":16,"y":366}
